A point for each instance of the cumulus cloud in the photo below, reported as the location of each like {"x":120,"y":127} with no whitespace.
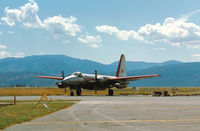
{"x":19,"y":55}
{"x":10,"y":32}
{"x":196,"y":55}
{"x":0,"y":32}
{"x":59,"y":25}
{"x":193,"y":46}
{"x":160,"y":49}
{"x":3,"y":46}
{"x":27,"y":17}
{"x":66,"y":42}
{"x":121,"y":34}
{"x":91,"y":40}
{"x":173,"y":31}
{"x":4,"y":54}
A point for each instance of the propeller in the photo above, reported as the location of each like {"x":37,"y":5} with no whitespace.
{"x":63,"y":75}
{"x":95,"y":72}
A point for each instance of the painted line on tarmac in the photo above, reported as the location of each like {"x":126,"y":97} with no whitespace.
{"x":113,"y":121}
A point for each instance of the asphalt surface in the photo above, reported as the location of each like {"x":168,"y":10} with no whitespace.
{"x":117,"y":113}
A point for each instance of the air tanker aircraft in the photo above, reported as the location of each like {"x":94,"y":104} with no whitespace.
{"x":96,"y":82}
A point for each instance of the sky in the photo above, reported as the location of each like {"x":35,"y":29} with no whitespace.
{"x":151,"y":31}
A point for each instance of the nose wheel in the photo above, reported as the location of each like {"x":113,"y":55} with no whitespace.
{"x":110,"y":92}
{"x":71,"y":93}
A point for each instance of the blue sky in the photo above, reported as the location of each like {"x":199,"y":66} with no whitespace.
{"x":152,"y":31}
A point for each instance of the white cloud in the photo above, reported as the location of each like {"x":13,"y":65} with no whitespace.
{"x":188,"y":15}
{"x":19,"y":55}
{"x":196,"y":55}
{"x":0,"y":32}
{"x":160,"y":49}
{"x":10,"y":32}
{"x":91,"y":40}
{"x":121,"y":34}
{"x":59,"y":25}
{"x":27,"y":17}
{"x":66,"y":42}
{"x":3,"y":46}
{"x":193,"y":46}
{"x":176,"y":32}
{"x":4,"y":54}
{"x":48,"y":38}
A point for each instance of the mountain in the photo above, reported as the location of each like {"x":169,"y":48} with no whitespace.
{"x":22,"y":71}
{"x":23,"y":79}
{"x":181,"y":75}
{"x":51,"y":64}
{"x":144,"y":65}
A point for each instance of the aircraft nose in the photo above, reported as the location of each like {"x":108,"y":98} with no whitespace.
{"x":67,"y":79}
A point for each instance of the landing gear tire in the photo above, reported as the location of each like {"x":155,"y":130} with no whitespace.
{"x":71,"y":93}
{"x":110,"y":92}
{"x":78,"y":91}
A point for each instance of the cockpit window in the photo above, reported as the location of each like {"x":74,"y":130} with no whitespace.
{"x":78,"y":74}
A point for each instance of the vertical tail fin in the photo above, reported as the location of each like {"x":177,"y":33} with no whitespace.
{"x":121,"y":70}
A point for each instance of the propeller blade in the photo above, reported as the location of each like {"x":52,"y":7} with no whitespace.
{"x":63,"y":75}
{"x":95,"y":75}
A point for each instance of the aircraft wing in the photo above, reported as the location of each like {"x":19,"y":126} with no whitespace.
{"x":133,"y":78}
{"x":50,"y":77}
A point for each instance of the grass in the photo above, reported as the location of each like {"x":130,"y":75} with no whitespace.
{"x":30,"y":91}
{"x":56,"y":91}
{"x":179,"y":91}
{"x":23,"y":112}
{"x":26,"y":101}
{"x":126,"y":91}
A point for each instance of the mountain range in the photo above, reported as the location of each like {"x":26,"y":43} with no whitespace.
{"x":22,"y":71}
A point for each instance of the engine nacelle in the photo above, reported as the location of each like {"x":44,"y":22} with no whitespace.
{"x":60,"y":85}
{"x":121,"y":85}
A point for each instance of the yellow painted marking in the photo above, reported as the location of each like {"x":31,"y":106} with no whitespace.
{"x":123,"y":121}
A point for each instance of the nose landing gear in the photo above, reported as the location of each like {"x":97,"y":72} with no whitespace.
{"x":71,"y":93}
{"x":110,"y":92}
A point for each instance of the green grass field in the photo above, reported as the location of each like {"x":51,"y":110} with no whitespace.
{"x":23,"y":111}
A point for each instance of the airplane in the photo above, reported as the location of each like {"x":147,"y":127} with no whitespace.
{"x":96,"y":82}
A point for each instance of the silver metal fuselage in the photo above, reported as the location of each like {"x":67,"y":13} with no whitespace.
{"x":88,"y":81}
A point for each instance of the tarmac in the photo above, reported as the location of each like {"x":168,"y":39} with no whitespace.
{"x":117,"y":113}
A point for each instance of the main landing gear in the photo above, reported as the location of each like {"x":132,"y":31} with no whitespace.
{"x":78,"y":91}
{"x":110,"y":92}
